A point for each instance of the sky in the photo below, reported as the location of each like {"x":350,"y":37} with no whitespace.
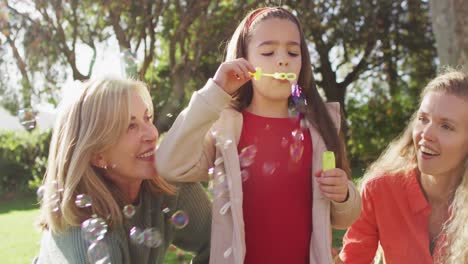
{"x":107,"y":63}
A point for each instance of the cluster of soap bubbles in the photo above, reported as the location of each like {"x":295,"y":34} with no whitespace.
{"x":218,"y":177}
{"x":298,"y":98}
{"x":247,"y":158}
{"x":98,"y":253}
{"x":296,"y":149}
{"x":151,"y":237}
{"x":83,"y":200}
{"x":95,"y":228}
{"x":27,"y":118}
{"x":180,"y":219}
{"x":129,"y":211}
{"x":293,"y":143}
{"x":53,"y":200}
{"x":269,"y":168}
{"x":221,"y":141}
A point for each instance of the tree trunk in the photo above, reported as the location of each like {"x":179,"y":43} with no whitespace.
{"x":25,"y":82}
{"x":449,"y":22}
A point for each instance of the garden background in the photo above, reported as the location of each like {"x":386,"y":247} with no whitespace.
{"x":372,"y":56}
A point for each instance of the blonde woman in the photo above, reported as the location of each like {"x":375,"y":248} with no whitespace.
{"x":103,"y":200}
{"x":415,"y":195}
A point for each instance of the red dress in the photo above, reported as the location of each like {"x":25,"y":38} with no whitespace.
{"x":277,"y":189}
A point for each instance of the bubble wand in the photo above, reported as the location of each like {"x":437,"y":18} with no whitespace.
{"x":257,"y":75}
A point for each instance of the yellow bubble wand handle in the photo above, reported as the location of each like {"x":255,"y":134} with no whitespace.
{"x":257,"y":75}
{"x":328,"y":160}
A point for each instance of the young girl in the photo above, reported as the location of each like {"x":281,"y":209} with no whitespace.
{"x":415,"y":195}
{"x":268,"y":208}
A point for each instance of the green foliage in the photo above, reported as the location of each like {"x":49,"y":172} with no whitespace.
{"x":374,"y":119}
{"x":23,"y":157}
{"x":192,"y":37}
{"x":177,"y":45}
{"x":380,"y":108}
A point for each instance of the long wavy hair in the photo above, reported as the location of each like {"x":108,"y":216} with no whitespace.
{"x":315,"y":112}
{"x":91,"y":124}
{"x":400,"y":158}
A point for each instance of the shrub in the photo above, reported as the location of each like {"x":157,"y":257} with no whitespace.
{"x":23,"y":159}
{"x":373,"y":125}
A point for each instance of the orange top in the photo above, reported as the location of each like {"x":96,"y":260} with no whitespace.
{"x":396,"y":214}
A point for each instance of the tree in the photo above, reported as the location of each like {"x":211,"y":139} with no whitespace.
{"x":354,"y":40}
{"x":407,"y":62}
{"x":176,"y":45}
{"x":193,"y":34}
{"x":172,"y":45}
{"x":43,"y":36}
{"x":449,"y":20}
{"x":382,"y":51}
{"x":338,"y":27}
{"x":10,"y":28}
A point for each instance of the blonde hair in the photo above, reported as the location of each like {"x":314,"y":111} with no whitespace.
{"x":400,"y":158}
{"x":91,"y":124}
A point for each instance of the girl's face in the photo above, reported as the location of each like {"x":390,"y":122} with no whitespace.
{"x":274,"y":47}
{"x":132,"y":157}
{"x":440,"y":134}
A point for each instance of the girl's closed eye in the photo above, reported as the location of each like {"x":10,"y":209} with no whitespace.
{"x":267,"y":53}
{"x":293,"y":54}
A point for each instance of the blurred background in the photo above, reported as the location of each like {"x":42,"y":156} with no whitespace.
{"x":372,"y":56}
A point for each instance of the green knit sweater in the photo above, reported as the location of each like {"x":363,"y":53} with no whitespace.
{"x":70,"y":247}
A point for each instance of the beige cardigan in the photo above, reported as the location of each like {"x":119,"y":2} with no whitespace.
{"x":184,"y":156}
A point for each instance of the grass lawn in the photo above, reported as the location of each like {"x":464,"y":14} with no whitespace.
{"x":19,"y":241}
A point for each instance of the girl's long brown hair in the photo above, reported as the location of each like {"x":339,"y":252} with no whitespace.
{"x":315,"y":111}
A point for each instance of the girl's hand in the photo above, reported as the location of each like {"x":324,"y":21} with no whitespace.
{"x":336,"y":256}
{"x":231,"y":75}
{"x":334,"y":184}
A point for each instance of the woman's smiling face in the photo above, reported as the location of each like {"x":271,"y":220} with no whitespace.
{"x":440,"y":134}
{"x":132,"y":157}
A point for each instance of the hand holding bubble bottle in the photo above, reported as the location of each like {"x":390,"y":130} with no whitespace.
{"x":332,"y":181}
{"x":328,"y":160}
